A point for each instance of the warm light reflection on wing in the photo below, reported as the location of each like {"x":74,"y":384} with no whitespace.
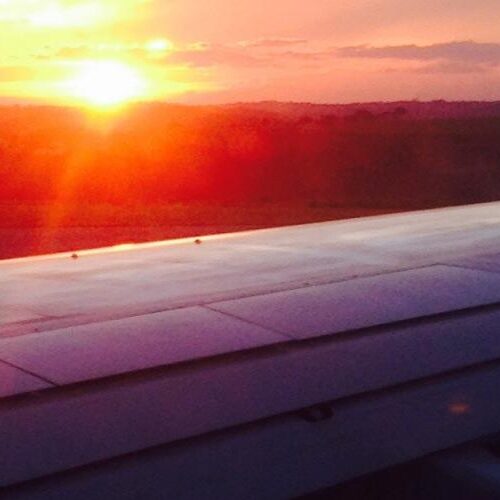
{"x":459,"y":408}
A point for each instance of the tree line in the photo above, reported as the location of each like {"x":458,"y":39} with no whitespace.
{"x":159,"y":153}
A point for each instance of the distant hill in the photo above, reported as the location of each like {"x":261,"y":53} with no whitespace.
{"x":413,"y":109}
{"x":420,"y":110}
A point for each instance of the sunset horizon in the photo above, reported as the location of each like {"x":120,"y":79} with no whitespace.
{"x":113,"y":52}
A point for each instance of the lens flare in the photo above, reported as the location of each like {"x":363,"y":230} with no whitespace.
{"x":159,"y":45}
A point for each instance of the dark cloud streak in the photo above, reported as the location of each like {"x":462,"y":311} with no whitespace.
{"x":463,"y":51}
{"x":271,"y":43}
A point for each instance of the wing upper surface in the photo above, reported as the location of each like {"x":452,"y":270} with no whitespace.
{"x":245,"y":326}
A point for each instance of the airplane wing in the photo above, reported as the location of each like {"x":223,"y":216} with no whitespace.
{"x":265,"y":364}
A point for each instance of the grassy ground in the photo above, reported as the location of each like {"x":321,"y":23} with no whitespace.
{"x":39,"y":229}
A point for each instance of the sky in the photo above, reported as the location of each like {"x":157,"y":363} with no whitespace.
{"x":104,"y":52}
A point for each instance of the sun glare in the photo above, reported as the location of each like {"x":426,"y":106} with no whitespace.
{"x":57,"y":16}
{"x":107,"y":83}
{"x":159,"y":45}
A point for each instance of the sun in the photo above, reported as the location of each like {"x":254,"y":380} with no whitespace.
{"x":107,"y":83}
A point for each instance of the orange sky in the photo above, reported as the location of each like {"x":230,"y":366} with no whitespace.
{"x":109,"y":51}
